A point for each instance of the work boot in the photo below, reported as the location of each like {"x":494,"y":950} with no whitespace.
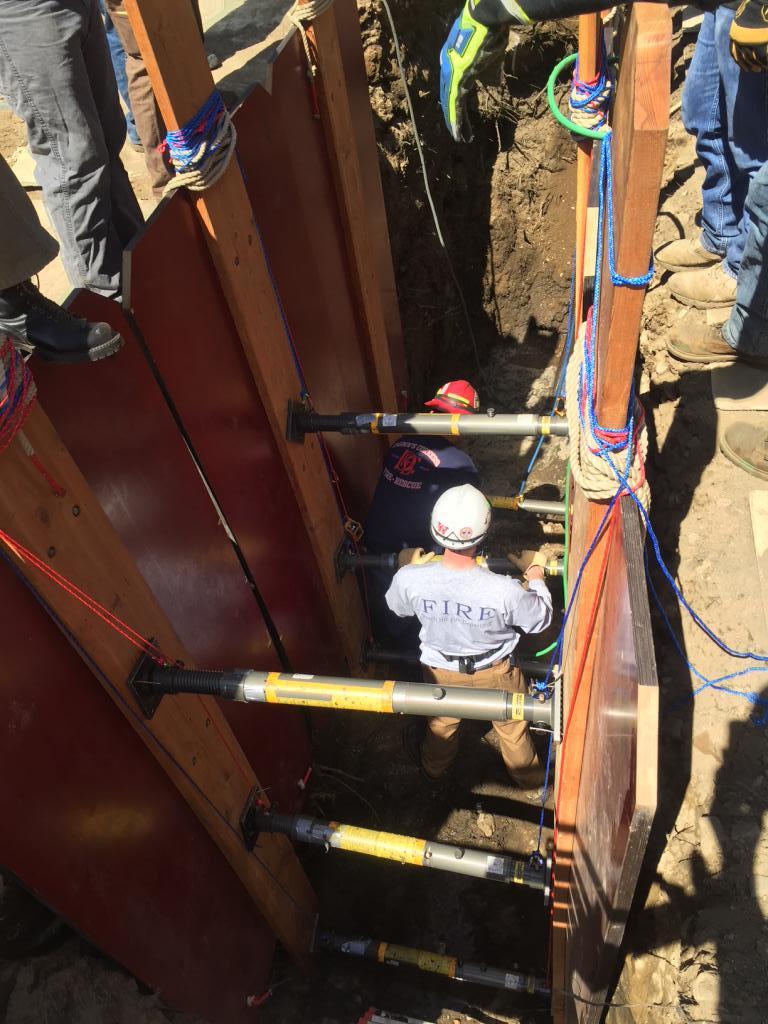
{"x":712,"y":288}
{"x":685,"y":254}
{"x":704,"y":344}
{"x":746,"y":446}
{"x":42,"y":328}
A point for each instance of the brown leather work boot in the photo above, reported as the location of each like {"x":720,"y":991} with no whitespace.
{"x":712,"y":288}
{"x":703,"y":344}
{"x":746,"y":446}
{"x":685,"y":254}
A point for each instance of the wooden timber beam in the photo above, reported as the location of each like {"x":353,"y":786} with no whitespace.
{"x":640,"y":120}
{"x":190,"y":739}
{"x":169,"y":40}
{"x":341,"y":141}
{"x":590,"y":33}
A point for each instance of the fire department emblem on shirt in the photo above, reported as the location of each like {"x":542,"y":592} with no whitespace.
{"x":406,"y":464}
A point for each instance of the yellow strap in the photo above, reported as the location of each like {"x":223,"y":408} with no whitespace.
{"x":519,"y":874}
{"x":387,"y":845}
{"x":456,"y":398}
{"x":518,"y":705}
{"x":546,"y":425}
{"x":455,"y":421}
{"x":375,"y":422}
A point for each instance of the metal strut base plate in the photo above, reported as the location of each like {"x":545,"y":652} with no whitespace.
{"x":249,"y":828}
{"x":139,"y":684}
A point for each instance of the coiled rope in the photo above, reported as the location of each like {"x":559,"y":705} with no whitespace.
{"x":589,"y":100}
{"x":17,"y":392}
{"x":201,"y":150}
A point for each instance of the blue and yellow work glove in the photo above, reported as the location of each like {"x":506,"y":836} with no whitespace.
{"x":749,"y":36}
{"x":470,"y":49}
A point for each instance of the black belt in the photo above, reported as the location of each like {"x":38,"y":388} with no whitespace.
{"x":468,"y":664}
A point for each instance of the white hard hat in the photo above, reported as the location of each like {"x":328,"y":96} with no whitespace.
{"x":460,"y":518}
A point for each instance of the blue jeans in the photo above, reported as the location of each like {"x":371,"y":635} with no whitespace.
{"x":117,"y":53}
{"x":727,"y":110}
{"x":746,"y":330}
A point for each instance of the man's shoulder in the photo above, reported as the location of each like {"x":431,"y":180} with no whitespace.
{"x":500,"y":583}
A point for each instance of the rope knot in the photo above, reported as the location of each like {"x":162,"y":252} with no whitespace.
{"x":17,"y":392}
{"x":300,"y":14}
{"x":201,"y":150}
{"x":604,"y":460}
{"x":589,"y":101}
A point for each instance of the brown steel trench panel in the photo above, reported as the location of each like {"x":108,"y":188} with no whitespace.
{"x":290,"y":184}
{"x":183,"y":317}
{"x":617,"y":796}
{"x":93,"y":825}
{"x":113,"y":419}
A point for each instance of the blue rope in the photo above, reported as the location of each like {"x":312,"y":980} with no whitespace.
{"x":556,"y":654}
{"x":610,"y":441}
{"x":184,"y":143}
{"x":606,"y":175}
{"x":715,"y":684}
{"x":584,"y":94}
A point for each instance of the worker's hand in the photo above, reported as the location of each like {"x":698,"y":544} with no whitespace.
{"x":535,"y":570}
{"x":470,"y":49}
{"x":414,"y":556}
{"x":749,"y":36}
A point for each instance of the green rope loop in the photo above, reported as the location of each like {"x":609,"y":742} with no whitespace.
{"x":559,"y":116}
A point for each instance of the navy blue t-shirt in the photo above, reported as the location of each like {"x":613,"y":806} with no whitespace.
{"x":416,"y":471}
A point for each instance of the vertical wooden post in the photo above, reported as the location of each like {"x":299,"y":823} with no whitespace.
{"x":341,"y":140}
{"x":640,"y":119}
{"x":640,"y":123}
{"x":590,"y":30}
{"x":190,"y":738}
{"x":170,"y":45}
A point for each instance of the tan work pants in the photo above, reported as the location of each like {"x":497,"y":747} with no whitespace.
{"x":149,"y":123}
{"x":441,"y":743}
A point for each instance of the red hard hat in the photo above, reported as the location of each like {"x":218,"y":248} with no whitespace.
{"x":455,"y":396}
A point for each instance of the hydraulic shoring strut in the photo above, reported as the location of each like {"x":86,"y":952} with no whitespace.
{"x":435,"y":963}
{"x":150,"y":682}
{"x":348,"y":559}
{"x":521,"y":503}
{"x":302,"y":421}
{"x":534,"y":873}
